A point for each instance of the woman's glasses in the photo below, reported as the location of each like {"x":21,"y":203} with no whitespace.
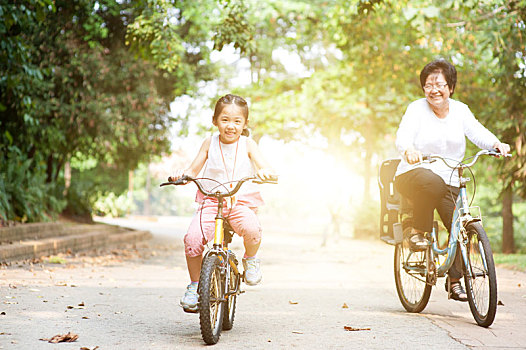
{"x":439,"y":86}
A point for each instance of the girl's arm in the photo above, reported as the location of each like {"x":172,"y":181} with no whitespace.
{"x":197,"y":164}
{"x":264,"y":171}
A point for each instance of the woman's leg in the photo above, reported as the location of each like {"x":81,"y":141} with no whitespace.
{"x":426,"y":190}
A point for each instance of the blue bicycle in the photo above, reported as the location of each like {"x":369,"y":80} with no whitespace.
{"x":417,"y":271}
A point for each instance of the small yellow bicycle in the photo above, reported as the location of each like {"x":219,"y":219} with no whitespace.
{"x":220,"y":278}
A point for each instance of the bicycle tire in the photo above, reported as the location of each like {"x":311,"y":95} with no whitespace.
{"x":412,"y":288}
{"x":211,"y":299}
{"x":482,"y":288}
{"x":230,"y":304}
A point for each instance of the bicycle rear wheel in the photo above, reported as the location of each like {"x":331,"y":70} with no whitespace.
{"x":410,"y":276}
{"x":481,"y":285}
{"x":230,"y":305}
{"x":211,"y":299}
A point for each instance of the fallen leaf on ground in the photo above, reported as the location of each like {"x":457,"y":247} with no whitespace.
{"x":292,"y":302}
{"x":296,"y":332}
{"x":62,"y":338}
{"x":69,"y":307}
{"x":345,"y":306}
{"x":349,"y":328}
{"x":500,"y":303}
{"x":56,"y":260}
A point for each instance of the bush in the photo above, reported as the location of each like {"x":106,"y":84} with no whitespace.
{"x":24,"y":194}
{"x":112,"y":205}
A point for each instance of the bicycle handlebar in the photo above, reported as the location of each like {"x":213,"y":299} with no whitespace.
{"x":185,"y":179}
{"x":490,"y":152}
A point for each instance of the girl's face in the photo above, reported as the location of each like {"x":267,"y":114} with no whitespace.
{"x":230,"y":122}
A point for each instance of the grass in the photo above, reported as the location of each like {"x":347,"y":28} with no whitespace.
{"x":511,"y":261}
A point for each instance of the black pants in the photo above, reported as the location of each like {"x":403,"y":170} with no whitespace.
{"x":427,"y":191}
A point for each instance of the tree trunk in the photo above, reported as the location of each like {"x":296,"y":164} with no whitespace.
{"x":67,"y":177}
{"x":508,"y":243}
{"x":147,"y":203}
{"x":367,"y":174}
{"x":130,"y":189}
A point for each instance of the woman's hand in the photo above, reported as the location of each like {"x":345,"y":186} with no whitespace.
{"x":503,"y":148}
{"x":266,"y":174}
{"x":413,"y":156}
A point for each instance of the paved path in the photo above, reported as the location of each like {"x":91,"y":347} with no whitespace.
{"x":128,"y":299}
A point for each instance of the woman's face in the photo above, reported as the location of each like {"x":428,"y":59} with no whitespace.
{"x":437,"y":90}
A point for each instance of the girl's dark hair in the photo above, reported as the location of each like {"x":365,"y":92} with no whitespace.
{"x":442,"y":66}
{"x":227,"y":100}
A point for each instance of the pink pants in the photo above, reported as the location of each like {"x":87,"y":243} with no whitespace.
{"x":242,"y":218}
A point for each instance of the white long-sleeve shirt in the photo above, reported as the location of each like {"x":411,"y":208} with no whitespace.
{"x":422,"y":130}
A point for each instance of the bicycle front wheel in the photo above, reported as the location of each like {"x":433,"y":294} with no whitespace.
{"x":410,"y":277}
{"x":211,"y":299}
{"x":230,"y":305}
{"x":481,"y":283}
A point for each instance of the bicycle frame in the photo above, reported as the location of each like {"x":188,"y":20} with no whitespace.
{"x":220,"y":247}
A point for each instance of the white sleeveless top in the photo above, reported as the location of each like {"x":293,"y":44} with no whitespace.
{"x":223,"y":165}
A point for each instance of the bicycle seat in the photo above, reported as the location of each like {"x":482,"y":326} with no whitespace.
{"x":390,"y":199}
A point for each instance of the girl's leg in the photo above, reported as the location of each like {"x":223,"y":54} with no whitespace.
{"x":194,"y":267}
{"x":202,"y":226}
{"x":246,"y":224}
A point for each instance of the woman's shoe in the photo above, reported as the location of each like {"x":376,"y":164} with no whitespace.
{"x":418,"y":241}
{"x":456,"y":291}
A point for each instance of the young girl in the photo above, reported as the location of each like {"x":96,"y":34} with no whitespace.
{"x":226,"y":156}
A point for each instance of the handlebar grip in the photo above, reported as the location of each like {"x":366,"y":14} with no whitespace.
{"x":181,"y":181}
{"x":496,"y":153}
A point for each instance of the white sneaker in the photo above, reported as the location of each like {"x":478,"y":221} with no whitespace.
{"x":252,"y":271}
{"x":190,"y":298}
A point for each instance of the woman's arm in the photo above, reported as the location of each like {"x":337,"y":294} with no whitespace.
{"x":197,"y":164}
{"x":405,"y":136}
{"x":480,"y":136}
{"x":263,"y":169}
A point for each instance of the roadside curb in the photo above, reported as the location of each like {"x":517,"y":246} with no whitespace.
{"x":36,"y":240}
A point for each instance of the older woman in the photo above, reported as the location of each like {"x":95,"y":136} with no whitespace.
{"x":437,"y":125}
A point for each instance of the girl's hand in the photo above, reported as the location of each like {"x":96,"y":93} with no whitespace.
{"x":178,"y":174}
{"x":266,"y":174}
{"x":413,"y":156}
{"x":503,"y":148}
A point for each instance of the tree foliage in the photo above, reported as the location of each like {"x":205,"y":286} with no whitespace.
{"x":73,"y":90}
